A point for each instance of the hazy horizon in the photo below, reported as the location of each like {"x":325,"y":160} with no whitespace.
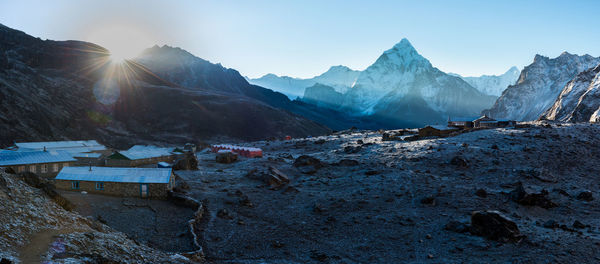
{"x":303,"y":39}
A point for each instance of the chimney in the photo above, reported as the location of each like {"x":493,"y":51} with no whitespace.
{"x":44,"y":148}
{"x":90,"y":166}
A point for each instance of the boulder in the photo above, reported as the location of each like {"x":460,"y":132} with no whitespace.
{"x":226,"y":157}
{"x":585,"y":196}
{"x":459,"y":162}
{"x":190,"y":162}
{"x":481,"y":193}
{"x":494,"y":226}
{"x":347,"y":163}
{"x":551,"y":224}
{"x":521,"y":196}
{"x":274,"y":177}
{"x":352,"y":149}
{"x":307,"y":164}
{"x":456,"y":226}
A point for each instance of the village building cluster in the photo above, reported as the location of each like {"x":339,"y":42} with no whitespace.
{"x":140,"y":171}
{"x":463,"y":124}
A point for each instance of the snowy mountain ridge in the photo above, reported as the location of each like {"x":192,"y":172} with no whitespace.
{"x":340,"y":77}
{"x":579,"y":101}
{"x":493,"y":84}
{"x":539,"y":85}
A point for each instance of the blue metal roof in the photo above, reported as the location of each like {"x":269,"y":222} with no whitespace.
{"x":87,"y":155}
{"x":73,"y":147}
{"x":110,"y":174}
{"x":145,"y":152}
{"x":9,"y":158}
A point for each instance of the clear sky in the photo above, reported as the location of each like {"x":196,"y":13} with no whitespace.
{"x":304,"y":38}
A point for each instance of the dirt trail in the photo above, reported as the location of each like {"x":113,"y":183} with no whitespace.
{"x":40,"y":243}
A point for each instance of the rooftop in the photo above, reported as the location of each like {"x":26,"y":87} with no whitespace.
{"x":145,"y":152}
{"x":442,"y":127}
{"x":110,"y":174}
{"x":73,"y":147}
{"x":9,"y":158}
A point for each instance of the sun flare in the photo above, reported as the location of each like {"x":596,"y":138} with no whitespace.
{"x":123,"y":42}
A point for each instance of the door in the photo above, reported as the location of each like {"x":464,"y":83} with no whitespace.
{"x":144,"y":190}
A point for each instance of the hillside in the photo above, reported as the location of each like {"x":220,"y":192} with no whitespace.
{"x":71,"y":90}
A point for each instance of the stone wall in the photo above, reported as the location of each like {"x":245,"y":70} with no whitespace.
{"x":50,"y":173}
{"x":155,"y":190}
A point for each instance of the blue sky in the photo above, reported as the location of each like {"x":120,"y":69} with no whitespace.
{"x":304,"y":38}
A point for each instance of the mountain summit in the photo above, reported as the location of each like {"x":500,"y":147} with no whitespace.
{"x":402,"y":86}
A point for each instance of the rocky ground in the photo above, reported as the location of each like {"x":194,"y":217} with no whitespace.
{"x":156,"y":223}
{"x":517,"y":195}
{"x":34,"y":229}
{"x":364,"y":200}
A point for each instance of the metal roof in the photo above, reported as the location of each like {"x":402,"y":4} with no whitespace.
{"x":58,"y":144}
{"x":110,"y":174}
{"x":9,"y":158}
{"x":87,"y":155}
{"x":73,"y":147}
{"x":144,"y":152}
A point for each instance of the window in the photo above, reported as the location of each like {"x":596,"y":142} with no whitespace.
{"x":65,"y":164}
{"x":32,"y":168}
{"x":55,"y":167}
{"x":75,"y":185}
{"x":99,"y":186}
{"x":44,"y":168}
{"x":21,"y":169}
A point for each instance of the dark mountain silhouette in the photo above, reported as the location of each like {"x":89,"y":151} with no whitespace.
{"x":71,"y":90}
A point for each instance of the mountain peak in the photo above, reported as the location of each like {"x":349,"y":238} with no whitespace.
{"x":339,"y":68}
{"x":403,"y":54}
{"x":513,"y":70}
{"x":404,"y":44}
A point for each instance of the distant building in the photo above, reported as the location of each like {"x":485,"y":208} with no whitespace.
{"x":43,"y":163}
{"x":460,"y":122}
{"x":486,"y":119}
{"x":126,"y":182}
{"x":140,"y":155}
{"x":488,"y":122}
{"x":436,"y":131}
{"x":85,"y":151}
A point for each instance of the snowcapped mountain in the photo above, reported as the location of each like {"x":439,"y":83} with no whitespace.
{"x":579,"y":101}
{"x":341,"y":78}
{"x":494,"y":84}
{"x":402,"y":85}
{"x":539,"y":85}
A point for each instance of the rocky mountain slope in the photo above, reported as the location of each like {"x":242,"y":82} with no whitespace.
{"x":579,"y":101}
{"x":194,"y":74}
{"x":539,"y":85}
{"x":71,"y":90}
{"x":494,"y":84}
{"x":341,"y":78}
{"x":35,"y":229}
